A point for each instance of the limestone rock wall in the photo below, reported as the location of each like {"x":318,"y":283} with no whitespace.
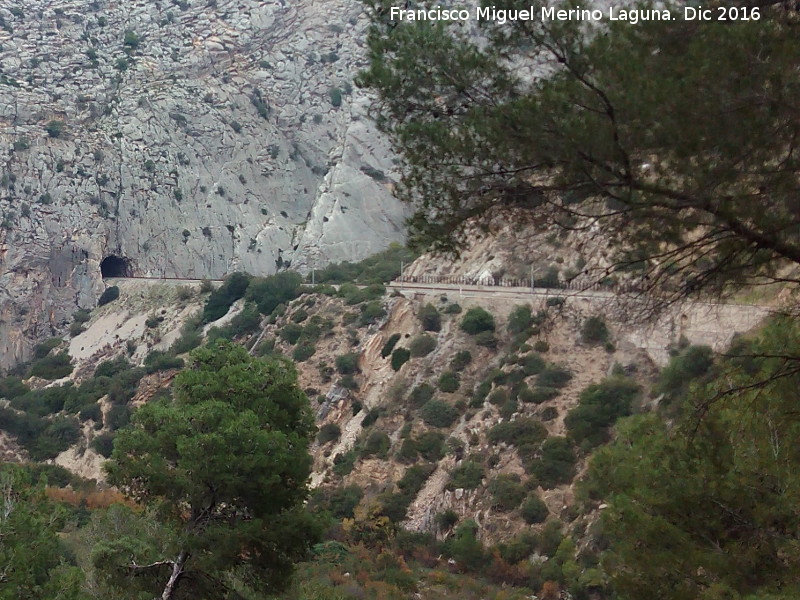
{"x":192,"y":137}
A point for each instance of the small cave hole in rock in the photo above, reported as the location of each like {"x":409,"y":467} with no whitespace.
{"x":115,"y":266}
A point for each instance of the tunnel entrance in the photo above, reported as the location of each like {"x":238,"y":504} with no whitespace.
{"x":115,"y":266}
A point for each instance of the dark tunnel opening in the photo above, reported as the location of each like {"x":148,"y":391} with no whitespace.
{"x":115,"y":266}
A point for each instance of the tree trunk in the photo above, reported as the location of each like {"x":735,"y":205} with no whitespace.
{"x":177,"y":571}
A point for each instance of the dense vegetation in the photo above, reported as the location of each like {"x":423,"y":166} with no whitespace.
{"x":225,"y":462}
{"x":658,"y":161}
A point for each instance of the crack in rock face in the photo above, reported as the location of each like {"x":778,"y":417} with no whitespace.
{"x":188,"y":140}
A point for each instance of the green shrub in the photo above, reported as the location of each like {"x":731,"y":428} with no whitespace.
{"x":508,"y":408}
{"x":480,"y":393}
{"x":377,"y":444}
{"x":555,"y":464}
{"x":522,"y":431}
{"x":446,"y":519}
{"x":430,"y":318}
{"x":109,"y":295}
{"x":690,"y":364}
{"x":452,"y":309}
{"x":349,"y":382}
{"x":539,"y":394}
{"x":421,"y":394}
{"x":422,"y":345}
{"x":395,"y":506}
{"x":49,"y":438}
{"x":378,"y":268}
{"x":220,"y":300}
{"x":507,"y":492}
{"x":131,"y":40}
{"x":351,"y":293}
{"x":477,"y":320}
{"x":328,"y":433}
{"x":110,"y":368}
{"x":266,"y":347}
{"x":52,"y":366}
{"x":448,"y":382}
{"x":555,"y":301}
{"x":55,"y":128}
{"x":400,"y":357}
{"x":519,"y":548}
{"x":290,"y":333}
{"x":549,"y":413}
{"x":50,"y":400}
{"x":162,"y":361}
{"x":520,"y":319}
{"x":246,"y":321}
{"x":465,"y":548}
{"x":594,"y":331}
{"x":390,"y":344}
{"x":553,"y":377}
{"x":43,"y":349}
{"x":461,"y":360}
{"x":437,"y":413}
{"x":92,"y":412}
{"x":270,"y":292}
{"x":342,"y":501}
{"x":486,"y":339}
{"x":371,"y":312}
{"x":189,"y":340}
{"x":498,"y":397}
{"x":532,"y":364}
{"x":541,"y":346}
{"x":11,"y":387}
{"x":408,"y":451}
{"x":370,"y":418}
{"x":81,"y":316}
{"x":467,"y":475}
{"x":335,"y":95}
{"x":347,"y":364}
{"x":303,"y":351}
{"x":599,"y":407}
{"x":344,"y":463}
{"x":430,"y":445}
{"x":534,"y":510}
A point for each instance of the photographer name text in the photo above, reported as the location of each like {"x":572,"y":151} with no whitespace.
{"x":551,"y":13}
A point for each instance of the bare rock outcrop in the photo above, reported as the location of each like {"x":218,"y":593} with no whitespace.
{"x":189,"y":139}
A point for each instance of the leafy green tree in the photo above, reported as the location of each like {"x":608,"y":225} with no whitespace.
{"x":695,"y":167}
{"x":708,"y":508}
{"x":225,"y":466}
{"x":32,"y":558}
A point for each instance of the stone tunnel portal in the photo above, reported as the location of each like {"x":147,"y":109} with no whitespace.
{"x":115,"y":266}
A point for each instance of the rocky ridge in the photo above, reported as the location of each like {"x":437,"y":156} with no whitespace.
{"x":189,"y":139}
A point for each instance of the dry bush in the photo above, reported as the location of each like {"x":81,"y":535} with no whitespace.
{"x":93,"y":499}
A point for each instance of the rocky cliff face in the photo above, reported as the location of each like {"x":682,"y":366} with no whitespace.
{"x":189,"y":138}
